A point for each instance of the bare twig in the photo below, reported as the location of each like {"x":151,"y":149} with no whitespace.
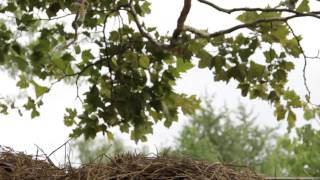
{"x":64,"y":144}
{"x":47,"y":157}
{"x":316,"y":56}
{"x":54,"y":18}
{"x":305,"y":63}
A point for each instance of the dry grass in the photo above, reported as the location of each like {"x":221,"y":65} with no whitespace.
{"x":16,"y":165}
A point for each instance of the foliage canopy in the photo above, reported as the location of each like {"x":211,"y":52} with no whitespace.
{"x":132,"y":75}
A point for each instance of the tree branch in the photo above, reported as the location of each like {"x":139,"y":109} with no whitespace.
{"x":229,"y":11}
{"x":305,"y":63}
{"x":182,"y":18}
{"x":204,"y":34}
{"x":133,"y":12}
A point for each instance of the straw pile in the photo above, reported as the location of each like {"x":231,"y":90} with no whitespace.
{"x":14,"y":165}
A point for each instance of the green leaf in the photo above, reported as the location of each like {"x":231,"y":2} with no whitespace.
{"x":286,"y":65}
{"x":291,"y":118}
{"x":183,"y":66}
{"x":86,"y":56}
{"x":256,"y":70}
{"x":146,"y":7}
{"x":39,"y":90}
{"x":245,"y":87}
{"x":53,"y":9}
{"x":237,"y":72}
{"x":3,"y":109}
{"x":304,"y":6}
{"x":218,"y":62}
{"x":196,"y":46}
{"x":93,"y":99}
{"x":124,"y":127}
{"x":69,"y":118}
{"x":280,"y":75}
{"x":59,"y":63}
{"x":270,"y":55}
{"x":280,"y":112}
{"x":168,"y":123}
{"x":110,"y":135}
{"x":245,"y":54}
{"x":144,"y":61}
{"x":273,"y":97}
{"x":248,"y":17}
{"x":30,"y":104}
{"x":77,"y":49}
{"x":67,"y":57}
{"x":292,"y":98}
{"x":205,"y":59}
{"x":204,"y":63}
{"x":34,"y":113}
{"x":114,"y":36}
{"x":308,"y":113}
{"x":292,"y":47}
{"x":22,"y":83}
{"x":21,"y":63}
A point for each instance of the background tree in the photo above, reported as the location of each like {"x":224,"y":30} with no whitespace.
{"x":131,"y":77}
{"x":100,"y":149}
{"x":225,"y":136}
{"x":297,"y":156}
{"x":231,"y":136}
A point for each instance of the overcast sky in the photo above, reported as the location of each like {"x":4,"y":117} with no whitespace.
{"x":49,"y":132}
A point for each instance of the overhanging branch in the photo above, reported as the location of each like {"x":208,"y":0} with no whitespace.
{"x":205,"y":34}
{"x":245,"y":9}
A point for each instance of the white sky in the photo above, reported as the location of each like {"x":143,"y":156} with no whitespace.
{"x":49,"y":132}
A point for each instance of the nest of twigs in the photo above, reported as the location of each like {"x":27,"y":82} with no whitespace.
{"x":15,"y":165}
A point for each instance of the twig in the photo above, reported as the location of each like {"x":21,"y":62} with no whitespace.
{"x":141,"y":29}
{"x":47,"y":157}
{"x":54,"y":18}
{"x":59,"y":147}
{"x":204,"y":34}
{"x":305,"y":62}
{"x":316,"y":56}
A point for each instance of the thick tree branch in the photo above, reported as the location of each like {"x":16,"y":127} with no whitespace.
{"x":182,"y":18}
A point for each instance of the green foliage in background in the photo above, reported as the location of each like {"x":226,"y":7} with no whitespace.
{"x":298,"y":156}
{"x":225,"y":136}
{"x":232,"y":137}
{"x":97,"y":150}
{"x":102,"y":149}
{"x":130,"y":69}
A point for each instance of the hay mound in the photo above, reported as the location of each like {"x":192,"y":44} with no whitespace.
{"x":17,"y":165}
{"x":14,"y":165}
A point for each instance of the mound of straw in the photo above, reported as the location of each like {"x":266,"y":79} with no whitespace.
{"x":17,"y":165}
